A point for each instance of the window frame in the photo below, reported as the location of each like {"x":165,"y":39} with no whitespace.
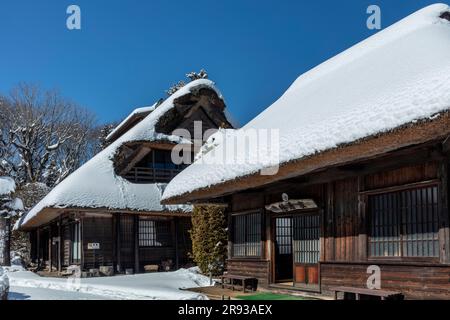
{"x":169,"y":242}
{"x":75,"y":234}
{"x":261,"y":231}
{"x":412,"y":186}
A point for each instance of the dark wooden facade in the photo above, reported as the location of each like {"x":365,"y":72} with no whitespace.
{"x":121,"y":244}
{"x":390,"y":212}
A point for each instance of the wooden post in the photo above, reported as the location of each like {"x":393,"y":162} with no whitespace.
{"x":50,"y":253}
{"x":60,"y":244}
{"x":362,"y":222}
{"x":119,"y":260}
{"x":177,"y":262}
{"x":136,"y":244}
{"x":230,"y":234}
{"x":331,"y":246}
{"x":38,"y":247}
{"x":444,"y":228}
{"x":82,"y":242}
{"x":172,"y":229}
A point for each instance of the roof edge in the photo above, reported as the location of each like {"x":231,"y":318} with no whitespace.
{"x":407,"y":135}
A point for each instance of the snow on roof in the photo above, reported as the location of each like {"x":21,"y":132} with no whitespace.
{"x":398,"y":76}
{"x":134,"y":113}
{"x":7,"y":186}
{"x":95,"y":184}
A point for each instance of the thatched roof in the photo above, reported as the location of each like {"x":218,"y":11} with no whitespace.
{"x":387,"y":92}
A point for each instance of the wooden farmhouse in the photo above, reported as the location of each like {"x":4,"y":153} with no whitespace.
{"x":108,"y":212}
{"x":363,"y":178}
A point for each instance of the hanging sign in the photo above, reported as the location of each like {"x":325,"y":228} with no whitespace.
{"x":288,"y":205}
{"x":93,"y":246}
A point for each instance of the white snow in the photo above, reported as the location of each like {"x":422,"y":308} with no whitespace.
{"x":95,"y":184}
{"x":4,"y":282}
{"x":131,"y":115}
{"x":152,"y":286}
{"x":398,"y":76}
{"x":7,"y":186}
{"x":28,"y":293}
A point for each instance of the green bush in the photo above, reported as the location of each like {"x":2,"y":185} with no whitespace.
{"x":209,"y":239}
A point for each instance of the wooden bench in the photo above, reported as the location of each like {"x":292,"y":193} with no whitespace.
{"x":358,"y":292}
{"x":244,"y":280}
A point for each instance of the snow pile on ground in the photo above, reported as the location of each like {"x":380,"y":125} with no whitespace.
{"x":4,"y":283}
{"x":81,"y":189}
{"x":399,"y":76}
{"x":7,"y":186}
{"x":152,"y":286}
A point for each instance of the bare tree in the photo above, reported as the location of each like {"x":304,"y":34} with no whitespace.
{"x":44,"y":136}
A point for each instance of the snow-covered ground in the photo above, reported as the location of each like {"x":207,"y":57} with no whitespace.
{"x":4,"y":283}
{"x":28,"y":293}
{"x":153,"y":286}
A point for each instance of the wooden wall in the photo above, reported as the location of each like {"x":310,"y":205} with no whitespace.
{"x":414,"y":281}
{"x":98,"y":230}
{"x":341,"y":196}
{"x":258,"y":268}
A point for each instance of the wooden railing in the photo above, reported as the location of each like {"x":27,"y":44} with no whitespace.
{"x":146,"y":175}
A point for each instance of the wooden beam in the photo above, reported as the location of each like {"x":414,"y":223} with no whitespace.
{"x":394,"y":160}
{"x":135,"y":157}
{"x":403,"y":137}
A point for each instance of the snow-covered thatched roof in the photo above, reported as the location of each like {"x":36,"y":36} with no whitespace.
{"x":398,"y":77}
{"x":96,"y":185}
{"x":129,"y":119}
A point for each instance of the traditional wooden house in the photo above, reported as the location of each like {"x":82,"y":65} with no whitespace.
{"x":363,"y":178}
{"x":108,"y":212}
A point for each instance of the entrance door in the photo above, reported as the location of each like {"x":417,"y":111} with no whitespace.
{"x":306,"y":249}
{"x":283,"y":250}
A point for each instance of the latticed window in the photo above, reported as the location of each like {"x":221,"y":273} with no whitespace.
{"x":154,"y":233}
{"x":405,"y":223}
{"x":76,"y":242}
{"x":306,"y":239}
{"x":247,"y":235}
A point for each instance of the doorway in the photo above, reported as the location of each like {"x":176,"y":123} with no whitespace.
{"x":297,"y":250}
{"x":283,"y":250}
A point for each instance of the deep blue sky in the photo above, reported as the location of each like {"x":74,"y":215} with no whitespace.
{"x":129,"y":51}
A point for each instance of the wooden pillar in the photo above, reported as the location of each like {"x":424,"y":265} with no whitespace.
{"x":362,"y":221}
{"x":177,"y":261}
{"x":60,"y":247}
{"x":444,"y":228}
{"x":331,"y":236}
{"x":82,"y":242}
{"x":50,"y":253}
{"x":136,"y":244}
{"x":38,"y":248}
{"x":230,"y":234}
{"x":118,"y":230}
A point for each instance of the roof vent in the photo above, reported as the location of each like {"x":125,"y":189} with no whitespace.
{"x":445,"y":15}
